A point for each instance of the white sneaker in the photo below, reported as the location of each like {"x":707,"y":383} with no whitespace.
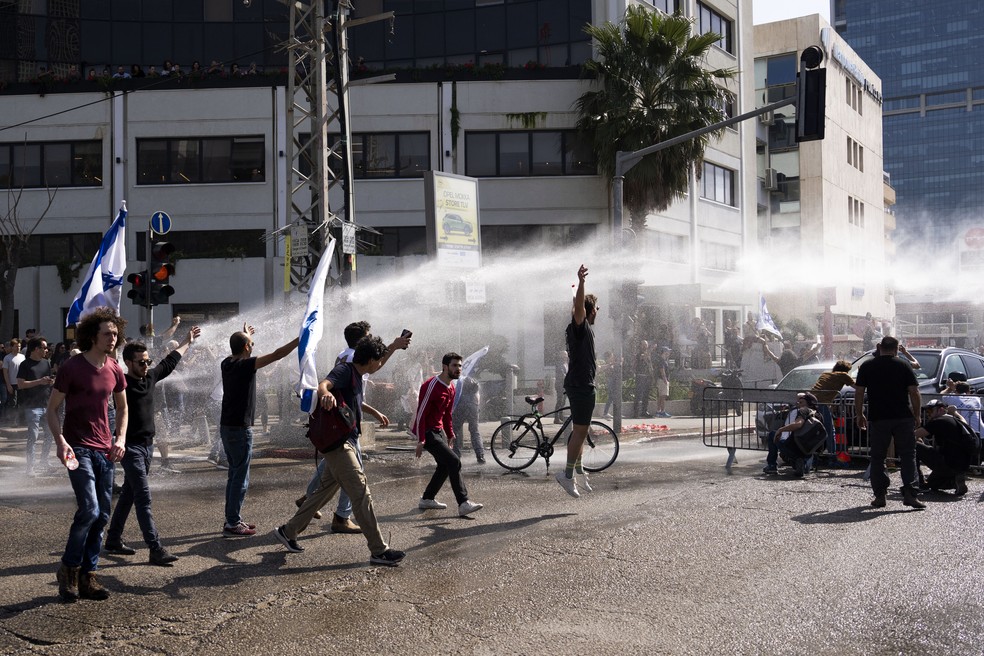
{"x":569,"y":484}
{"x":468,"y":507}
{"x":585,"y":483}
{"x":431,"y":504}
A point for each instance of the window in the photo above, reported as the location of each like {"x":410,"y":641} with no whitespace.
{"x":208,"y":244}
{"x":528,"y":153}
{"x":711,"y":21}
{"x":380,"y":154}
{"x":855,"y":212}
{"x":723,"y":257}
{"x":51,"y":164}
{"x":48,"y":250}
{"x":850,"y":151}
{"x":667,"y":6}
{"x":208,"y":160}
{"x":718,"y":184}
{"x":668,"y":247}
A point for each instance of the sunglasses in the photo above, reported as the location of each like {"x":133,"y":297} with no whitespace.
{"x":145,"y":363}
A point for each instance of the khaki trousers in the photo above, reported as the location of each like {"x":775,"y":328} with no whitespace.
{"x":341,"y":469}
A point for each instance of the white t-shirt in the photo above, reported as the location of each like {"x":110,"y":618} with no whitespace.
{"x":11,"y":363}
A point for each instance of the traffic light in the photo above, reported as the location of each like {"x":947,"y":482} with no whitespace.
{"x":161,"y":271}
{"x":811,"y":90}
{"x":139,"y":292}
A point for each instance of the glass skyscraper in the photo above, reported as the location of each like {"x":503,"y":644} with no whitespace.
{"x":927,"y":55}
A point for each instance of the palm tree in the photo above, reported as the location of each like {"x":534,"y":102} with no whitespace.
{"x":653,"y":87}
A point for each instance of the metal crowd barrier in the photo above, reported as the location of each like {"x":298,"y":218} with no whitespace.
{"x":737,"y":418}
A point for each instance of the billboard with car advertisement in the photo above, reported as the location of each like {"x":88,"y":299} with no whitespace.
{"x":453,"y":234}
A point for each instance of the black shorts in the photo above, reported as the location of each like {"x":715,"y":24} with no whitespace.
{"x":582,"y":402}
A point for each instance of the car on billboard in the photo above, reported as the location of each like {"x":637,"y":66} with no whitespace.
{"x":453,"y":223}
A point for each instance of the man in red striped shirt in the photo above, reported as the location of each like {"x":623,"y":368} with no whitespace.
{"x":434,"y":416}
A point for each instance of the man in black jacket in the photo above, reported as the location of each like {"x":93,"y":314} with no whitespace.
{"x":953,"y":447}
{"x":140,"y":382}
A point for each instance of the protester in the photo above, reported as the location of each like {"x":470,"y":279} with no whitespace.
{"x":342,"y":467}
{"x":342,"y":519}
{"x":34,"y":381}
{"x":465,"y":412}
{"x":85,"y":384}
{"x":434,"y":428}
{"x":579,"y":384}
{"x":141,"y":429}
{"x":236,"y":421}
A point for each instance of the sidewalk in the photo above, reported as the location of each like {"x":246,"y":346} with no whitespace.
{"x":290,"y":441}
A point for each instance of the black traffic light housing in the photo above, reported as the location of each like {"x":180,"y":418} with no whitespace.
{"x":811,"y":96}
{"x":161,"y":270}
{"x":138,"y":294}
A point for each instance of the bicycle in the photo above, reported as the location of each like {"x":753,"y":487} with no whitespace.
{"x":517,"y":443}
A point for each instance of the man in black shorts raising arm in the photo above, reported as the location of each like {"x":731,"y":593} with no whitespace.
{"x":579,"y":384}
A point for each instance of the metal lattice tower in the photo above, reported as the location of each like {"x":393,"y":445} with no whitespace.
{"x":317,"y":95}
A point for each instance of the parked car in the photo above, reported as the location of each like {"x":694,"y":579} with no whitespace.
{"x":935,"y":364}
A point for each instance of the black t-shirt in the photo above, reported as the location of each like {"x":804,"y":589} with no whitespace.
{"x":581,"y":351}
{"x":238,"y":392}
{"x":788,"y":361}
{"x":140,"y":428}
{"x":887,"y":380}
{"x":37,"y":396}
{"x":348,"y":383}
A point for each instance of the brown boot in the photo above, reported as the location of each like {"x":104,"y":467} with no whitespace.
{"x":344,"y":525}
{"x":90,"y":588}
{"x":300,"y":502}
{"x":68,"y":583}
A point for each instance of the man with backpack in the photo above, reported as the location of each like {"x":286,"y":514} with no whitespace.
{"x":954,"y":448}
{"x":342,"y":468}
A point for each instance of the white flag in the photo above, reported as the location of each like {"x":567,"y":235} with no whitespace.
{"x":765,"y":321}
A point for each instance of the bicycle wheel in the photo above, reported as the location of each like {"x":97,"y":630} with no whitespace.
{"x":515,"y":447}
{"x":600,"y":447}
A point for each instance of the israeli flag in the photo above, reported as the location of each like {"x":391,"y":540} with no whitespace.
{"x":466,"y":369}
{"x":104,"y":282}
{"x":765,"y":321}
{"x":312,"y":329}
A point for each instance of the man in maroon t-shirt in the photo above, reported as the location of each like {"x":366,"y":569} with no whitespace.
{"x":85,"y":383}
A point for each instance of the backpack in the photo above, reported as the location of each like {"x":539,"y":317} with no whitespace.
{"x":811,"y":435}
{"x":969,"y":444}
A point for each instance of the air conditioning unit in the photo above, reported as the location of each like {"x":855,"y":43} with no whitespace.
{"x":771,"y":179}
{"x":767,"y":118}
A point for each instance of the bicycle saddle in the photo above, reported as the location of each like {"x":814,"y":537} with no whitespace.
{"x":533,"y":400}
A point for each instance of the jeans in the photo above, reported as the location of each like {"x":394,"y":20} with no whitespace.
{"x":880,"y":434}
{"x":136,"y":491}
{"x":467,"y":414}
{"x":238,"y":444}
{"x":448,"y":467}
{"x":92,"y":483}
{"x":34,"y":418}
{"x":342,"y":469}
{"x":640,"y":403}
{"x":344,"y":508}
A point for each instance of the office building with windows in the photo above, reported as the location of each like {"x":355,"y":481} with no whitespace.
{"x":482,"y":89}
{"x":925,"y":53}
{"x":822,"y":203}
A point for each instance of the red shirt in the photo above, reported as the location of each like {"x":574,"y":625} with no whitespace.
{"x":434,"y":408}
{"x":87,"y":391}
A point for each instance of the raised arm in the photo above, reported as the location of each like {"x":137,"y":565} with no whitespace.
{"x":279,"y":354}
{"x":578,"y":310}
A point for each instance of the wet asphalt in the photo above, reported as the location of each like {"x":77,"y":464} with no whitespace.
{"x":668,"y":555}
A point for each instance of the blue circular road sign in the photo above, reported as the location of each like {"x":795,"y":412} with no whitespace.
{"x":160,"y":223}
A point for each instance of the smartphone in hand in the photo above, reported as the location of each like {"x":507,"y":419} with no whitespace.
{"x":406,"y":334}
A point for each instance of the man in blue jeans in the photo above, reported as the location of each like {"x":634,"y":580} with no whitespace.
{"x":141,"y":380}
{"x":88,"y":447}
{"x":34,"y":381}
{"x":236,"y":421}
